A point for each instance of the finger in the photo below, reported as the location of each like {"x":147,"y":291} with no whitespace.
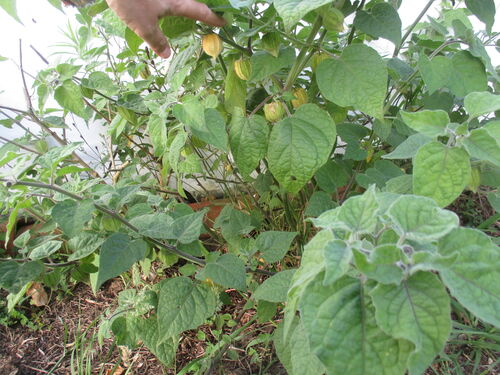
{"x":198,"y":11}
{"x":155,"y":38}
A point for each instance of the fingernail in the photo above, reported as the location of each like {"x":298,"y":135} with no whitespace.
{"x":165,"y":53}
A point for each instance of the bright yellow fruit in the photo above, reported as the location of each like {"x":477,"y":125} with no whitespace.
{"x":301,"y":97}
{"x":212,"y":45}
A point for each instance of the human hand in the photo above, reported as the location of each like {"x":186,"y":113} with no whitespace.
{"x":142,"y":16}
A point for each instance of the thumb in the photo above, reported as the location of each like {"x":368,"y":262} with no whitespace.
{"x":155,"y":38}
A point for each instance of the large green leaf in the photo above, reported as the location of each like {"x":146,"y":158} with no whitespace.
{"x":362,"y":75}
{"x":228,"y":270}
{"x":382,"y":21}
{"x":473,"y":278}
{"x":294,"y":351}
{"x":274,"y":245}
{"x":409,"y":147}
{"x":46,"y":249}
{"x":69,"y":96}
{"x":72,"y":216}
{"x":430,"y":123}
{"x":358,"y":214}
{"x":343,"y":333}
{"x":417,"y":310}
{"x":462,"y":74}
{"x":163,"y":349}
{"x":440,"y":172}
{"x":420,"y":219}
{"x":338,"y":257}
{"x":233,"y":223}
{"x":154,"y":225}
{"x":10,"y":7}
{"x":481,"y":103}
{"x":484,"y":144}
{"x":484,"y":10}
{"x":275,"y":288}
{"x":264,"y":64}
{"x":182,"y":305}
{"x":312,"y":263}
{"x":248,"y":138}
{"x":292,"y":11}
{"x":118,"y":253}
{"x":84,"y":244}
{"x":205,"y":123}
{"x":300,"y":145}
{"x":14,"y":275}
{"x":185,"y":229}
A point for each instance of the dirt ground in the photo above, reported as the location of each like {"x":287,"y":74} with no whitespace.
{"x":48,"y":349}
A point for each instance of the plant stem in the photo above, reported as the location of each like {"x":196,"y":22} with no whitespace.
{"x":410,"y":29}
{"x":303,"y":55}
{"x":171,"y":248}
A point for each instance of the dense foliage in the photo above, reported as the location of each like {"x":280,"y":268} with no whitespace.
{"x":337,"y":164}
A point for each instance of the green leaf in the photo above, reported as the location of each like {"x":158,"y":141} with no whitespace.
{"x":10,"y":7}
{"x":183,"y":305}
{"x":382,"y":273}
{"x":430,"y":123}
{"x":233,"y":223}
{"x":484,"y":10}
{"x":358,"y":214}
{"x":163,"y":348}
{"x":481,"y":103}
{"x":154,"y":225}
{"x":361,"y":73}
{"x":264,"y":64}
{"x":248,"y":138}
{"x":69,"y":96}
{"x":300,"y":145}
{"x":294,"y":352}
{"x":440,"y":172}
{"x":174,"y":27}
{"x":72,"y":216}
{"x":206,"y":124}
{"x":187,"y":229}
{"x":118,"y":254}
{"x":44,"y":250}
{"x":133,"y":40}
{"x":83,"y":245}
{"x":420,"y":219}
{"x":381,"y":22}
{"x":484,"y":145}
{"x":292,"y":11}
{"x":312,"y":263}
{"x":462,"y":74}
{"x":473,"y":278}
{"x":319,"y":203}
{"x":235,"y":92}
{"x":228,"y":270}
{"x":338,"y":257}
{"x":409,"y":147}
{"x":274,"y":245}
{"x":14,"y":275}
{"x":331,"y":176}
{"x":419,"y":311}
{"x":340,"y":325}
{"x":157,"y":131}
{"x":275,"y":288}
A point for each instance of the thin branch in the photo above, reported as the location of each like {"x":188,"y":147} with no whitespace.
{"x":410,"y":29}
{"x":25,"y":148}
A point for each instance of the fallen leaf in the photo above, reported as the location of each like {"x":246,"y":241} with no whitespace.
{"x":38,"y":295}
